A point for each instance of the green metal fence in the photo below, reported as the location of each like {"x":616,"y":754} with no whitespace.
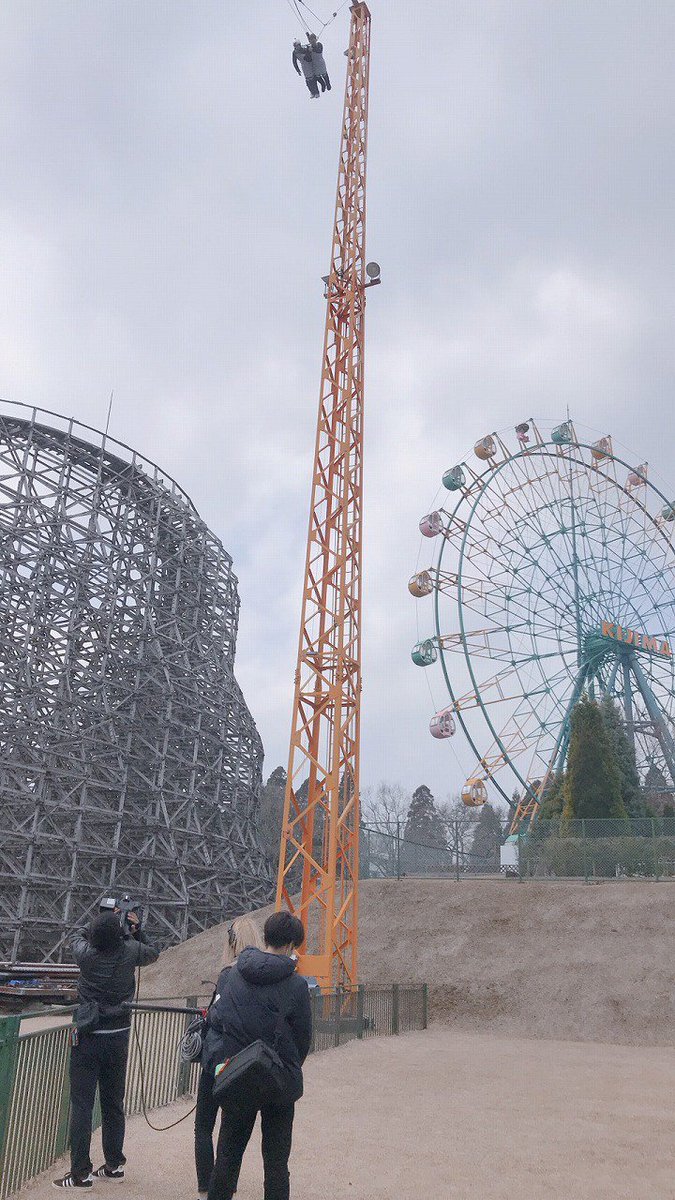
{"x":35,"y":1095}
{"x":35,"y":1089}
{"x":339,"y":1017}
{"x":638,"y":848}
{"x":35,"y":1106}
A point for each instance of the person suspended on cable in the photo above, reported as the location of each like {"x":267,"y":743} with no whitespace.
{"x":318,"y":62}
{"x":303,"y":61}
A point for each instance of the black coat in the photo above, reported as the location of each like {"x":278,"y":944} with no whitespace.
{"x":110,"y":979}
{"x":254,"y":993}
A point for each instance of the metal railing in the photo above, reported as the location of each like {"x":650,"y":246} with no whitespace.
{"x":339,"y":1017}
{"x":35,"y":1085}
{"x":35,"y":1088}
{"x":34,"y":1102}
{"x":639,"y":848}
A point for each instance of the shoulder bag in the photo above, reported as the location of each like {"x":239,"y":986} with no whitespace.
{"x":256,"y":1074}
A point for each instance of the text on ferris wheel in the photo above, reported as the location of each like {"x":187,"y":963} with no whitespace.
{"x":630,"y":637}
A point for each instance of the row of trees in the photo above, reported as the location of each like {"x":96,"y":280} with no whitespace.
{"x":419,"y":818}
{"x":600,"y":781}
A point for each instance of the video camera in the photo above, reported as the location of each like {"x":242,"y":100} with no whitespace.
{"x":124,"y":905}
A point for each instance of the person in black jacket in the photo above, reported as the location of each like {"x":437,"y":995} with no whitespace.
{"x":264,"y":999}
{"x":107,"y":955}
{"x":241,"y":934}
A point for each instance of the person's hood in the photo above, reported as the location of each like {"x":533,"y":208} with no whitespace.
{"x":259,"y":968}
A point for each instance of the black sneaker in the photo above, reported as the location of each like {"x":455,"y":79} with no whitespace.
{"x":107,"y":1173}
{"x":70,"y":1181}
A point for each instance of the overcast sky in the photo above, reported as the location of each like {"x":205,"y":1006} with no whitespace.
{"x":166,"y":196}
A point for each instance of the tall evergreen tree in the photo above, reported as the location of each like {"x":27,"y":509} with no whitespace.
{"x":623,"y":750}
{"x":553,"y":798}
{"x":423,"y":823}
{"x":592,"y":781}
{"x":658,"y":800}
{"x":487,"y":839}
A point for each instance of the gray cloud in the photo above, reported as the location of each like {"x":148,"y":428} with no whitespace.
{"x":167,"y":195}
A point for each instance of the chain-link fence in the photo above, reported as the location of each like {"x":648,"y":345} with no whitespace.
{"x":466,"y":849}
{"x":641,"y":848}
{"x":34,"y":1076}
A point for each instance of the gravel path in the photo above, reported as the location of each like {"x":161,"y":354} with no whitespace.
{"x":450,"y":1115}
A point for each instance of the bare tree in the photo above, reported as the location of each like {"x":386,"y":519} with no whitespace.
{"x":460,"y":822}
{"x":385,"y":807}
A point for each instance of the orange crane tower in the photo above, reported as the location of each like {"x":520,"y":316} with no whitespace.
{"x":319,"y":855}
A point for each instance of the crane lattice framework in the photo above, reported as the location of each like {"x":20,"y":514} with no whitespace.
{"x":319,"y":848}
{"x":128,"y":758}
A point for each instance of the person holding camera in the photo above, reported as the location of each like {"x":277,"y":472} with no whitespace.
{"x":107,"y":954}
{"x":262,"y":1000}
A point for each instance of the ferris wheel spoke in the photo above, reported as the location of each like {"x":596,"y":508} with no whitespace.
{"x":509,"y":611}
{"x":514,"y":745}
{"x":483,"y":643}
{"x":502,"y":687}
{"x":556,"y":504}
{"x":530,"y":563}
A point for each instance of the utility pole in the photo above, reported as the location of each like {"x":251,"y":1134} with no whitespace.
{"x":319,"y":855}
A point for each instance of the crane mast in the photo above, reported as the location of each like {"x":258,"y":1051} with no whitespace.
{"x":319,"y":854}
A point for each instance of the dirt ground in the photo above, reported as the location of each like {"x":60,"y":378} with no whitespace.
{"x":536,"y":959}
{"x":451,"y":1116}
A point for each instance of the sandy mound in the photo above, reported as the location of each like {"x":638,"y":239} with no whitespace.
{"x":591,"y":962}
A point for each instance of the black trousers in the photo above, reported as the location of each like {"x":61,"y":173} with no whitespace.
{"x":236,"y":1127}
{"x":206,"y":1113}
{"x":97,"y":1059}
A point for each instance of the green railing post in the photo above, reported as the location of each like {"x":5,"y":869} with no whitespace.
{"x":9,"y":1040}
{"x":520,"y":857}
{"x":338,"y":1013}
{"x":395,"y":1020}
{"x":456,"y":850}
{"x":314,"y":1007}
{"x":657,"y":870}
{"x":425,"y":1006}
{"x":398,"y":849}
{"x":583,"y":836}
{"x":64,"y":1111}
{"x":360,"y":1002}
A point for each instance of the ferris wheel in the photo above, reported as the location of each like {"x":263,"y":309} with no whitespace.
{"x":553,"y":576}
